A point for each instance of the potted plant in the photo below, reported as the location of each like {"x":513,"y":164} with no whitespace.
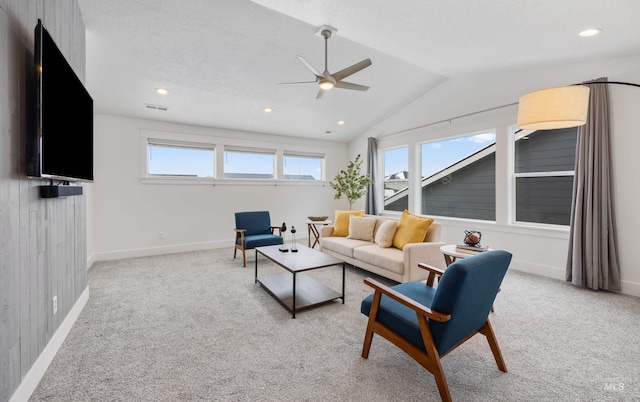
{"x":350,"y":183}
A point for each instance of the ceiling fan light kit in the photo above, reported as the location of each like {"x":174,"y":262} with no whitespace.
{"x":326,"y":80}
{"x":327,"y":84}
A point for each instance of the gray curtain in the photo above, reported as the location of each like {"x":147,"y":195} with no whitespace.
{"x":371,"y":206}
{"x":593,"y":253}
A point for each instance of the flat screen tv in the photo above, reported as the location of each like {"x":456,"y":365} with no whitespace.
{"x":60,"y":144}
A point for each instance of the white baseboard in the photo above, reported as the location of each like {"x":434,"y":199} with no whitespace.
{"x":628,"y":287}
{"x":146,"y":252}
{"x":35,"y":374}
{"x":176,"y":248}
{"x":537,"y":269}
{"x":631,"y":288}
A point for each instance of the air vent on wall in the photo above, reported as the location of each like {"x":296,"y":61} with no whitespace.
{"x":156,"y":107}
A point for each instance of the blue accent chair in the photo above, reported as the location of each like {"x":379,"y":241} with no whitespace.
{"x":428,"y":323}
{"x":253,"y":229}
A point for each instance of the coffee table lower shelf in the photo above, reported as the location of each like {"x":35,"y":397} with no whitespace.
{"x":308,"y":292}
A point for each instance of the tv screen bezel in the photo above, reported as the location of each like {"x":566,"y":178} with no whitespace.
{"x":35,"y":166}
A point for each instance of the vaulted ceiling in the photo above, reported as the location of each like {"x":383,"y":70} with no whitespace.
{"x":222,"y":61}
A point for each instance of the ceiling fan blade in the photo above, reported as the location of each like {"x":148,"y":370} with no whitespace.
{"x":349,"y":85}
{"x":296,"y":82}
{"x":309,"y":66}
{"x":320,"y":93}
{"x":352,"y":69}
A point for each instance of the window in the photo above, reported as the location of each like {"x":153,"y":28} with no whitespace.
{"x":458,"y":177}
{"x":302,"y":167}
{"x":249,"y":164}
{"x":396,"y":179}
{"x":544,"y":169}
{"x":180,"y":160}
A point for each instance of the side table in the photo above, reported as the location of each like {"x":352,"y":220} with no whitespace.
{"x":313,"y":230}
{"x":451,"y":254}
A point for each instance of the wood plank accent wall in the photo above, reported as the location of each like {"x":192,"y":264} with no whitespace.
{"x":42,"y":241}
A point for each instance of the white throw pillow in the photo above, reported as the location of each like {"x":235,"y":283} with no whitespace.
{"x":385,"y":234}
{"x":361,"y":228}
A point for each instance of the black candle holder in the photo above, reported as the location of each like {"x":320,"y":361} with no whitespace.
{"x":294,"y":247}
{"x":283,"y":229}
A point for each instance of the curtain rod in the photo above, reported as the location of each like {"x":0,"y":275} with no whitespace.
{"x":608,"y":82}
{"x":452,"y":118}
{"x":503,"y":106}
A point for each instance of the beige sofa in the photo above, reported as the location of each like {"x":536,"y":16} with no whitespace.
{"x":398,"y":265}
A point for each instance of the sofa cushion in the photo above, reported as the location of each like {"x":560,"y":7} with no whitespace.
{"x":361,"y":228}
{"x":342,"y":245}
{"x":411,"y":229}
{"x":385,"y":234}
{"x":341,"y":222}
{"x":390,"y":259}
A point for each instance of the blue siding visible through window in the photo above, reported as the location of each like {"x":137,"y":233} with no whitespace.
{"x":458,"y":179}
{"x":468,"y":192}
{"x":396,"y":177}
{"x":546,"y":151}
{"x":544,"y":199}
{"x":543,"y":168}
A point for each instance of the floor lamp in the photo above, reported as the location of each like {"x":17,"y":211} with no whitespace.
{"x":557,"y":107}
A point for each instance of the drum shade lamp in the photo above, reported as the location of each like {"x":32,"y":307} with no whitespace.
{"x":553,"y":108}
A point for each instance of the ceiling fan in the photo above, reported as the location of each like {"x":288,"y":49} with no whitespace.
{"x":327,"y":80}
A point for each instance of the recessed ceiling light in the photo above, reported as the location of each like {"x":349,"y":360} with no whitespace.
{"x":268,"y":110}
{"x":161,"y":91}
{"x":590,"y":32}
{"x":341,"y":122}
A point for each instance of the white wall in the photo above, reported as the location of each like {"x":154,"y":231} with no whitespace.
{"x":537,"y":250}
{"x":128,"y":214}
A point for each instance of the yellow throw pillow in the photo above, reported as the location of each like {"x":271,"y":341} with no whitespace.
{"x":411,"y":229}
{"x":341,"y":223}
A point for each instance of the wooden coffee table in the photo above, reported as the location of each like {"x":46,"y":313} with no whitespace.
{"x":292,"y":288}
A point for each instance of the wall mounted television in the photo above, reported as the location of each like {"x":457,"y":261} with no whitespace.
{"x":60,"y":143}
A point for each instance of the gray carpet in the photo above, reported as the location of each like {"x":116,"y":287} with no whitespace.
{"x":195,"y":327}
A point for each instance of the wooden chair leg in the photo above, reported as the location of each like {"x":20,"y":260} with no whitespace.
{"x":244,"y":258}
{"x":487,"y":331}
{"x":368,"y":336}
{"x":443,"y":387}
{"x":431,"y":360}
